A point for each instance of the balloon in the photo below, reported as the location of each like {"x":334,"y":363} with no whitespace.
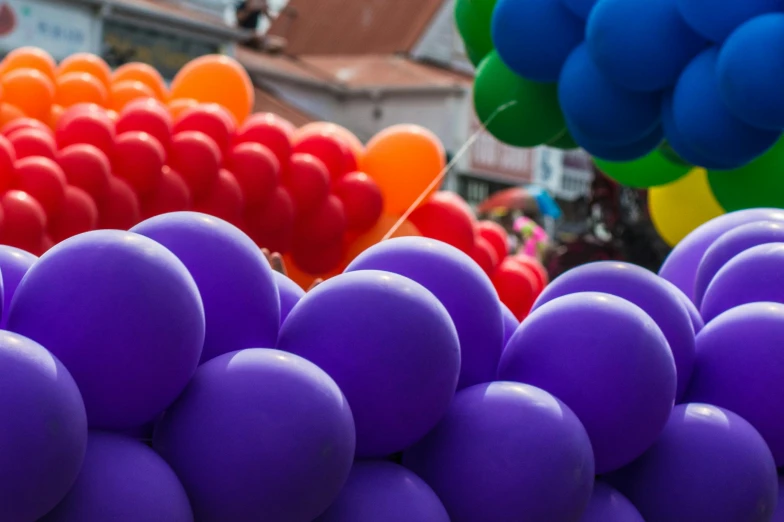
{"x":171,"y":195}
{"x":460,"y":285}
{"x":706,"y":124}
{"x":30,"y":58}
{"x":600,"y":110}
{"x":404,"y":160}
{"x":146,"y":115}
{"x":271,"y":225}
{"x":332,"y":151}
{"x":564,"y":142}
{"x":474,"y":24}
{"x":619,"y":153}
{"x":14,"y":264}
{"x":138,"y":159}
{"x":397,"y":359}
{"x":216,"y":79}
{"x":7,"y":161}
{"x":211,"y":119}
{"x":717,"y":20}
{"x":649,"y":171}
{"x":197,"y":158}
{"x":119,"y":209}
{"x":324,"y":225}
{"x":141,"y":72}
{"x":662,"y":43}
{"x":256,"y":169}
{"x":680,"y":207}
{"x":30,"y":90}
{"x":384,"y":492}
{"x":362,"y":200}
{"x":225,"y":455}
{"x":542,"y":277}
{"x":307,"y":180}
{"x":177,"y":106}
{"x":694,"y":315}
{"x":494,"y":234}
{"x":317,"y":260}
{"x":86,"y":124}
{"x":80,"y":87}
{"x":139,"y":300}
{"x":9,"y":113}
{"x":448,"y":218}
{"x":531,"y":114}
{"x":534,"y":38}
{"x":55,"y":113}
{"x":224,"y":200}
{"x":122,"y":93}
{"x":349,"y":138}
{"x":86,"y":62}
{"x":24,"y":221}
{"x":510,"y":323}
{"x":491,"y":423}
{"x":581,"y":8}
{"x":77,"y":214}
{"x":385,"y":223}
{"x":607,"y":505}
{"x":484,"y":255}
{"x":44,"y":180}
{"x":516,"y":286}
{"x":269,"y":130}
{"x":33,"y":142}
{"x":689,"y":473}
{"x":616,"y":356}
{"x":87,"y":168}
{"x":39,"y":463}
{"x":289,"y":293}
{"x":753,"y":185}
{"x":24,"y":123}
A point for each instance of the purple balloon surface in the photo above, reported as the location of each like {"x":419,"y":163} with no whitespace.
{"x":646,"y":290}
{"x":608,"y":361}
{"x":607,"y":505}
{"x":14,"y":264}
{"x":391,"y":347}
{"x":234,"y":278}
{"x":385,"y":492}
{"x":43,"y":433}
{"x":463,"y":288}
{"x":259,"y":434}
{"x":123,"y":315}
{"x":510,"y":323}
{"x":693,"y":470}
{"x":507,"y":452}
{"x":778,"y":516}
{"x":289,"y":292}
{"x":694,"y":314}
{"x":123,"y":480}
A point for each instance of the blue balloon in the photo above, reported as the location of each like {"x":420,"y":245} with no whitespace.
{"x":641,"y":45}
{"x":600,"y":110}
{"x":581,"y":8}
{"x":534,"y":37}
{"x":705,"y":122}
{"x":627,"y":152}
{"x":289,"y":292}
{"x":751,"y":78}
{"x":716,"y":19}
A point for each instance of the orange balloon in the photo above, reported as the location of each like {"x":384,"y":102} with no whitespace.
{"x":80,"y":87}
{"x":122,"y":93}
{"x":141,"y":72}
{"x":218,"y":79}
{"x":30,"y":58}
{"x":54,"y":115}
{"x":89,"y":63}
{"x":30,"y":90}
{"x":376,"y":234}
{"x":9,"y":113}
{"x":179,"y":105}
{"x":348,"y":137}
{"x":404,"y":160}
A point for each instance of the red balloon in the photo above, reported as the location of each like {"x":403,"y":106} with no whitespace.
{"x":46,"y":243}
{"x":138,"y":159}
{"x":308,"y":182}
{"x":43,"y":179}
{"x":119,"y":209}
{"x":78,"y":214}
{"x":147,"y":115}
{"x":446,"y":217}
{"x":86,"y":124}
{"x":324,"y":226}
{"x":330,"y":149}
{"x":362,"y":200}
{"x":224,"y":200}
{"x":7,"y":161}
{"x":270,"y":130}
{"x":537,"y":268}
{"x":24,"y":123}
{"x":256,"y":169}
{"x":171,"y":195}
{"x":515,"y":285}
{"x":271,"y":225}
{"x":495,"y":235}
{"x":24,"y":221}
{"x":211,"y":119}
{"x":87,"y":168}
{"x":484,"y":255}
{"x":197,"y":159}
{"x":317,"y":260}
{"x":33,"y":142}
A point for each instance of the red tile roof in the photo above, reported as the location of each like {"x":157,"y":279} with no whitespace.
{"x":266,"y":101}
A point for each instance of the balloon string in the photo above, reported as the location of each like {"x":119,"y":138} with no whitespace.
{"x":437,"y":181}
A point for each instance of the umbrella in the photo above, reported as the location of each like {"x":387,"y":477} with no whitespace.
{"x":529,"y":199}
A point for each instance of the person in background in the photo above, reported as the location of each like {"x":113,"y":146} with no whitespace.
{"x":249,"y":12}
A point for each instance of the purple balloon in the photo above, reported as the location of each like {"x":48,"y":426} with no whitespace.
{"x":14,"y":264}
{"x":510,"y":323}
{"x":463,"y":288}
{"x":123,"y":480}
{"x":739,"y":367}
{"x":751,"y":276}
{"x":646,"y":290}
{"x":234,"y":278}
{"x":390,"y":346}
{"x":43,"y":433}
{"x":385,"y":492}
{"x":778,"y":516}
{"x":290,"y":293}
{"x":123,"y":315}
{"x":507,"y":452}
{"x":607,"y":505}
{"x":608,"y":361}
{"x":709,"y":464}
{"x":257,"y":435}
{"x":731,"y":244}
{"x":694,"y":314}
{"x":680,"y":267}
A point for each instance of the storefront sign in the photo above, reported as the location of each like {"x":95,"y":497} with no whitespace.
{"x":61,"y":29}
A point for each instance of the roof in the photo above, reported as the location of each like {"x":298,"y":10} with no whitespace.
{"x":333,"y":27}
{"x":266,"y":101}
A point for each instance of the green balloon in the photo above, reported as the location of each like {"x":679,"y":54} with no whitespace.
{"x":474,"y":18}
{"x":535,"y":116}
{"x":564,"y":142}
{"x":757,"y":184}
{"x":649,"y":171}
{"x":669,"y":154}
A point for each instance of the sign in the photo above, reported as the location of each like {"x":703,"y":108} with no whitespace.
{"x":61,"y":29}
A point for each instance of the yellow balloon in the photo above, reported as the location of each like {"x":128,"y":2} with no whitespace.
{"x":681,"y":206}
